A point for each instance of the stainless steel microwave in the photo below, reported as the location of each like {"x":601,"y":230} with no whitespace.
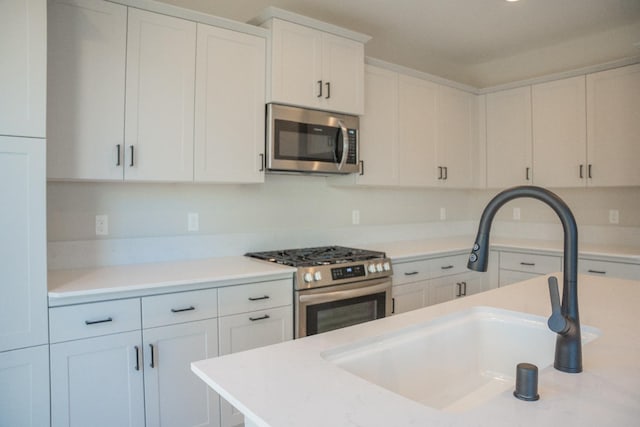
{"x":312,"y":141}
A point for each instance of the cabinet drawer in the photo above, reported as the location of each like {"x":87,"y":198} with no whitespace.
{"x":530,"y":263}
{"x":609,"y":269}
{"x":245,"y":331}
{"x":254,"y":296}
{"x":180,"y":307}
{"x":90,"y":320}
{"x":449,"y":265}
{"x":409,"y":272}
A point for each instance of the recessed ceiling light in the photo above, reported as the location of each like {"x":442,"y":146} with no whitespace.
{"x":511,"y":1}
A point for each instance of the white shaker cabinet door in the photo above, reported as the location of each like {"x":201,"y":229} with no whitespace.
{"x":85,"y":103}
{"x":98,"y":382}
{"x":296,"y":64}
{"x":509,"y":138}
{"x":230,"y":96}
{"x":342,"y":74}
{"x":379,"y":128}
{"x":613,"y":126}
{"x":417,"y":131}
{"x":24,"y":387}
{"x":455,"y":127}
{"x":559,"y":133}
{"x":175,"y":396}
{"x":159,"y":97}
{"x":23,"y":67}
{"x":23,"y":264}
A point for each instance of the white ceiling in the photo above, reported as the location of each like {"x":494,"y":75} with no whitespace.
{"x":477,"y":42}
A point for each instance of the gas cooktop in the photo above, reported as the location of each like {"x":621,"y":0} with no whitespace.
{"x":323,"y":255}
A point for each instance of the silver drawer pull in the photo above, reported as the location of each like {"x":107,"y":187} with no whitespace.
{"x":597,"y":271}
{"x":258,"y":298}
{"x":528,"y":264}
{"x":253,"y":319}
{"x":180,"y":310}
{"x":446,"y":267}
{"x":411,"y":273}
{"x":94,"y":322}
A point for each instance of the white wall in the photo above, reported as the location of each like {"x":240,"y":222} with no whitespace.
{"x":148,"y":222}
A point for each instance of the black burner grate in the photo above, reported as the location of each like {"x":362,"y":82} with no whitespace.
{"x":323,"y":255}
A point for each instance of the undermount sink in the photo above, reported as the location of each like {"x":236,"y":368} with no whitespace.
{"x":456,"y":362}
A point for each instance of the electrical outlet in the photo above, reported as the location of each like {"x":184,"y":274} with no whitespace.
{"x":193,"y":221}
{"x":355,"y":217}
{"x":102,"y":225}
{"x":614,"y":216}
{"x":443,"y":214}
{"x":516,"y":214}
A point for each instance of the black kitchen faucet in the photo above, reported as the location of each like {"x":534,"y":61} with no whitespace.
{"x":564,"y":319}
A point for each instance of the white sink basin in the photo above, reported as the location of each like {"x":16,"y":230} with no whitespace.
{"x":456,"y":362}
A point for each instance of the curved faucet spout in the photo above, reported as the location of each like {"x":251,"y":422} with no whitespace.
{"x":568,"y":344}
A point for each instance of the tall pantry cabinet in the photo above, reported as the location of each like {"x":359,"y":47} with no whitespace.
{"x":24,"y":354}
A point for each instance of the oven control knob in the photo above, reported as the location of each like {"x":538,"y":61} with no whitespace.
{"x":318,"y":276}
{"x":308,"y":277}
{"x":372,"y":268}
{"x":379,"y":267}
{"x":386,"y":266}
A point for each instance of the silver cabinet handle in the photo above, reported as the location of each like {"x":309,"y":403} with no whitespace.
{"x":152,"y":364}
{"x":258,"y":298}
{"x":254,"y":319}
{"x":95,"y":322}
{"x":180,"y":310}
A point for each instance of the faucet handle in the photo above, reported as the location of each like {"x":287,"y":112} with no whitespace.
{"x":557,"y":322}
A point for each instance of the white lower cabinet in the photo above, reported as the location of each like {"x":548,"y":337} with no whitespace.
{"x":24,"y":387}
{"x":420,"y":283}
{"x":174,"y":396}
{"x":127,"y":362}
{"x":269,"y":322}
{"x":98,"y":382}
{"x":603,"y":268}
{"x":518,"y":266}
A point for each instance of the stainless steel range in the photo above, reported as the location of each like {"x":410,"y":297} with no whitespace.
{"x":335,"y":286}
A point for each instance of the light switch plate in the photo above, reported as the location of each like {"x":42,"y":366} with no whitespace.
{"x":193,"y":221}
{"x":102,"y":225}
{"x":614,"y":216}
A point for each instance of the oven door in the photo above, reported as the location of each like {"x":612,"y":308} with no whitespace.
{"x":325,"y":309}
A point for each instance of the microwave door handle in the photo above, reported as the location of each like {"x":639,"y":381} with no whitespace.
{"x":345,"y":145}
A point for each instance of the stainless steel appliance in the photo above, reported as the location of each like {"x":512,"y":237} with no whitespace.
{"x":311,"y":141}
{"x":335,"y":286}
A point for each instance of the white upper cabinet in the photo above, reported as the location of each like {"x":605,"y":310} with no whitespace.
{"x":613,"y":126}
{"x":559,"y":133}
{"x":379,"y":128}
{"x":509,"y":138}
{"x":23,"y":264}
{"x":159,"y":100}
{"x":230,"y":97}
{"x":417,"y":131}
{"x":23,"y":73}
{"x":315,"y":69}
{"x":85,"y":119}
{"x":455,"y":138}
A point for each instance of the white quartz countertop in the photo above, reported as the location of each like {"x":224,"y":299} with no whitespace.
{"x":413,"y":249}
{"x":291,"y":385}
{"x":83,"y":285}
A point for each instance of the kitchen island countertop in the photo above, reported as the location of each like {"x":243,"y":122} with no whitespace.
{"x":291,"y":385}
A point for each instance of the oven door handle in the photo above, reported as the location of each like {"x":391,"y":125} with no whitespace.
{"x":345,"y":144}
{"x":366,"y":289}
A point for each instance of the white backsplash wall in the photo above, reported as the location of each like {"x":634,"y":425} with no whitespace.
{"x":148,"y":222}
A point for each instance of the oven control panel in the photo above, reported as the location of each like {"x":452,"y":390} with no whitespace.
{"x":340,"y":273}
